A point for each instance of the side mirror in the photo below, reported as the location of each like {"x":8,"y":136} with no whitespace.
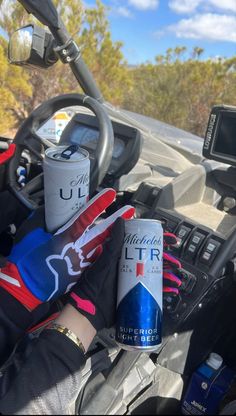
{"x":32,"y":45}
{"x":20,"y":45}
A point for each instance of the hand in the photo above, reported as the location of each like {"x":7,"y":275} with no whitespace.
{"x":43,"y":266}
{"x":95,"y":295}
{"x":171,"y":265}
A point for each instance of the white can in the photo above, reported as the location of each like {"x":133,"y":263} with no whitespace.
{"x":66,"y":184}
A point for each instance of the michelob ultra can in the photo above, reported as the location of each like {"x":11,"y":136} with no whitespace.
{"x":140,"y":287}
{"x":66,"y":183}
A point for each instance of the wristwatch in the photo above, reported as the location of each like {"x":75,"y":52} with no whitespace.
{"x":68,"y":333}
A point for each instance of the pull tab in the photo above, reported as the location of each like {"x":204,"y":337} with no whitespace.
{"x":70,"y":151}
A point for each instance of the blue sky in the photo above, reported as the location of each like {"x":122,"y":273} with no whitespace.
{"x":148,"y":27}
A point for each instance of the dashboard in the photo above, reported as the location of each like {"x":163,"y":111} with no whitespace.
{"x":83,"y":131}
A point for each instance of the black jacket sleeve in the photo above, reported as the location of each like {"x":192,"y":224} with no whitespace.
{"x":44,"y":375}
{"x":14,"y":321}
{"x":45,"y":379}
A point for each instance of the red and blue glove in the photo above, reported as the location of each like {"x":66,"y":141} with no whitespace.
{"x":171,"y":266}
{"x":42,"y":266}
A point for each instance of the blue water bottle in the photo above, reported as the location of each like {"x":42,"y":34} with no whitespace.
{"x":208,"y":386}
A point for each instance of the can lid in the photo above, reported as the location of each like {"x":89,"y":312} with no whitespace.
{"x":58,"y":154}
{"x":215,"y":361}
{"x":142,"y":220}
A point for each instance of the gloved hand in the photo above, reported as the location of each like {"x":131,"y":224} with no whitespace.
{"x":171,"y":265}
{"x":95,"y":295}
{"x":43,"y":266}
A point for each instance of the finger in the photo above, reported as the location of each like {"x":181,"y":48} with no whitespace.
{"x":112,"y":247}
{"x":170,"y":239}
{"x":115,"y":243}
{"x":171,"y":260}
{"x":171,"y":277}
{"x":170,"y":290}
{"x":89,"y":213}
{"x":95,"y":254}
{"x":100,"y":232}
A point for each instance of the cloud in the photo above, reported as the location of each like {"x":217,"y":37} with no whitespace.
{"x":207,"y":26}
{"x":144,"y":4}
{"x":190,"y":6}
{"x":229,"y":5}
{"x":123,"y":12}
{"x":184,"y":6}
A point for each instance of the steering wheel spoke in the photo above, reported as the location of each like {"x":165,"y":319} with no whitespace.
{"x":44,"y":142}
{"x":35,"y":152}
{"x":35,"y":185}
{"x":32,"y":192}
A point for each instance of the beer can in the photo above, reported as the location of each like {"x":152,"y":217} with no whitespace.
{"x":66,"y":184}
{"x":140,"y":287}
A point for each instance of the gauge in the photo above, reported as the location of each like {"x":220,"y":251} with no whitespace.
{"x":119,"y":147}
{"x":88,"y":137}
{"x":85,"y":136}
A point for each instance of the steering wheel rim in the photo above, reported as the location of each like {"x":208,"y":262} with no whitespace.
{"x":27,"y":132}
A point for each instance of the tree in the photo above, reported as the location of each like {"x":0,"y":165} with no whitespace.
{"x":182,"y":91}
{"x":13,"y":82}
{"x":91,"y":31}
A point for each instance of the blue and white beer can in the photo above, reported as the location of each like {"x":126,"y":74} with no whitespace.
{"x":140,"y":287}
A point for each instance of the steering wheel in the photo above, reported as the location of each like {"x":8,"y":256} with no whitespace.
{"x":27,"y":138}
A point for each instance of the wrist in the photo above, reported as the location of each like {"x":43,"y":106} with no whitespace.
{"x":78,"y":324}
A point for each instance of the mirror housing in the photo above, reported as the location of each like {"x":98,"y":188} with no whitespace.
{"x":32,"y":45}
{"x":48,"y":15}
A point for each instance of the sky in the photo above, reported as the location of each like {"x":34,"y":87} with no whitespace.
{"x":149,"y":27}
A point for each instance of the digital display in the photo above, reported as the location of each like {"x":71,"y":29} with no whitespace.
{"x":86,"y":136}
{"x":225,"y":140}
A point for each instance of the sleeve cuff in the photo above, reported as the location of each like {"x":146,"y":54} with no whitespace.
{"x":68,"y":352}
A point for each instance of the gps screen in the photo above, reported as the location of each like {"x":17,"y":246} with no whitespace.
{"x":225,"y":141}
